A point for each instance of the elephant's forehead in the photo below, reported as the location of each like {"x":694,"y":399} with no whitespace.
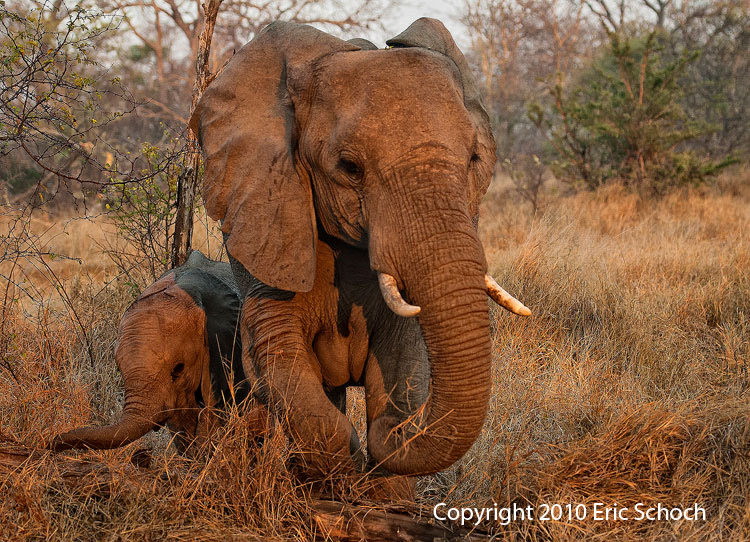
{"x":163,"y":313}
{"x":391,"y":72}
{"x":413,"y":95}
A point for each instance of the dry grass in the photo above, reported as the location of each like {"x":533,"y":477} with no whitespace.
{"x":628,"y":385}
{"x":76,"y":248}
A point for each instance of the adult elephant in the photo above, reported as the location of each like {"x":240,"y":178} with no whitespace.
{"x":341,"y":172}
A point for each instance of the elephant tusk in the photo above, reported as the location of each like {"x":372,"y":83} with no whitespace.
{"x":503,"y":298}
{"x":393,"y":297}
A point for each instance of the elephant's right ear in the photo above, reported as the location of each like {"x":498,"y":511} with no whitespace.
{"x":245,"y":123}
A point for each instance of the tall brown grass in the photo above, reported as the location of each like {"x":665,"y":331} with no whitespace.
{"x":629,"y":384}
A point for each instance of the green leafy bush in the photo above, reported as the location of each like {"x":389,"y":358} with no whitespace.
{"x":622,"y":119}
{"x":144,"y":213}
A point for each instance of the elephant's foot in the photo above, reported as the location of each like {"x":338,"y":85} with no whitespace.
{"x":356,"y":487}
{"x":258,"y":421}
{"x":387,"y":488}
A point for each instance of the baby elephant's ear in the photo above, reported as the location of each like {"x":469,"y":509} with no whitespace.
{"x":431,"y":34}
{"x":245,"y":122}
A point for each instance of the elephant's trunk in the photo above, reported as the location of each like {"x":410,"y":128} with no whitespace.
{"x":442,"y":271}
{"x":129,"y":428}
{"x":142,"y":412}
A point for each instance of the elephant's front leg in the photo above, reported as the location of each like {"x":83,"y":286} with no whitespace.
{"x":397,"y":380}
{"x":277,"y":340}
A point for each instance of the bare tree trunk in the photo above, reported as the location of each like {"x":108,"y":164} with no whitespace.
{"x":188,"y":182}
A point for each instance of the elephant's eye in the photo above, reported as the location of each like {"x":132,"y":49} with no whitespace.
{"x":350,"y":168}
{"x":475,"y":157}
{"x":177,"y":371}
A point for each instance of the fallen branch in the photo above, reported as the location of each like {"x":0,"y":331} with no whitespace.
{"x":345,"y":522}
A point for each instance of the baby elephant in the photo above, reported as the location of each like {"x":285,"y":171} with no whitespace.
{"x":178,"y":345}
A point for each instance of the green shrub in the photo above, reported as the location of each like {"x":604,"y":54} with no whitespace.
{"x":622,"y":119}
{"x":144,"y":213}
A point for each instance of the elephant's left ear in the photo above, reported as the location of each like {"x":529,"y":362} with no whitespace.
{"x":431,"y":34}
{"x":247,"y":124}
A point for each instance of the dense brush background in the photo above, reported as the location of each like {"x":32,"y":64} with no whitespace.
{"x":628,"y":384}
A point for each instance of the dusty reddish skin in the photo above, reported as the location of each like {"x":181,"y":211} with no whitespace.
{"x":397,"y":152}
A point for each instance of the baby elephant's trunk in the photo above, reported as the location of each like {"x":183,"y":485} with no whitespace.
{"x":130,"y":427}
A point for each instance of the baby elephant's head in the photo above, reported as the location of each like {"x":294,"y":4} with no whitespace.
{"x":164,"y":357}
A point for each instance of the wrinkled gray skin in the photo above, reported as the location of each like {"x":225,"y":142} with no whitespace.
{"x":176,"y":348}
